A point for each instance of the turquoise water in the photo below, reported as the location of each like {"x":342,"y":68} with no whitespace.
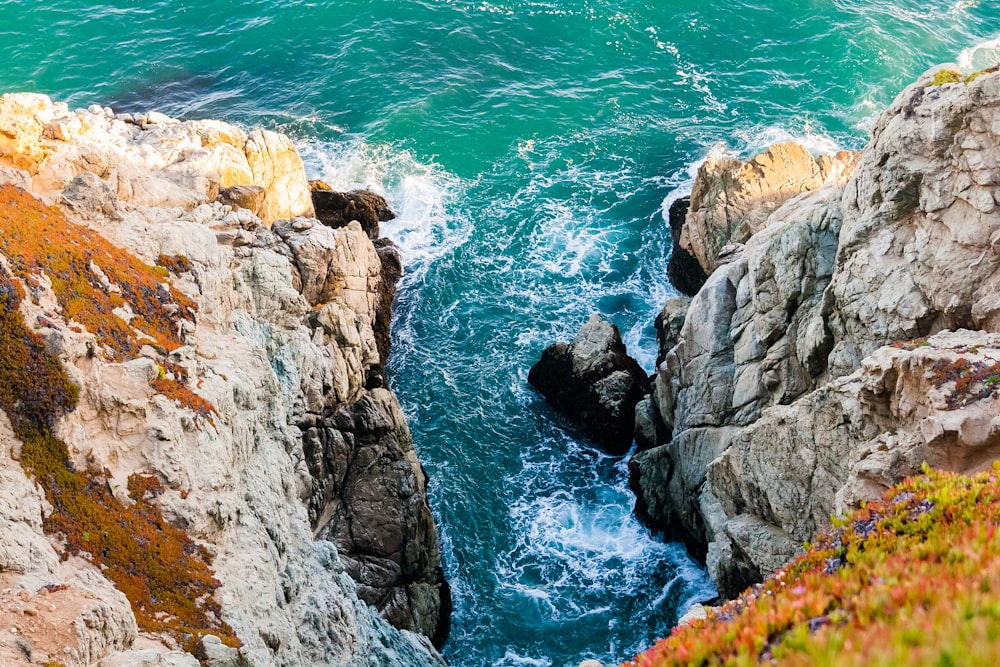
{"x":529,"y":147}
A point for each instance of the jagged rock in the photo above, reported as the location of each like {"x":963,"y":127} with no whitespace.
{"x":18,"y":177}
{"x":594,"y":381}
{"x":375,"y":511}
{"x":277,"y":167}
{"x":91,"y":197}
{"x":786,"y":474}
{"x":250,"y":197}
{"x":919,"y":246}
{"x":782,"y":405}
{"x":336,"y":209}
{"x":282,"y":345}
{"x":163,"y":163}
{"x":392,"y":270}
{"x":683,"y":269}
{"x":732,"y":200}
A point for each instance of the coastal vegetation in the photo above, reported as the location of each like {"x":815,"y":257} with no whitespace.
{"x":165,"y":575}
{"x":912,"y":579}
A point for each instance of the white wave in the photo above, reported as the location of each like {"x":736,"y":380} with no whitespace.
{"x":429,"y":224}
{"x":512,"y":659}
{"x":980,"y":56}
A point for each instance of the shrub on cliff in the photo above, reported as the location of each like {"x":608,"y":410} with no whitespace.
{"x":913,"y":579}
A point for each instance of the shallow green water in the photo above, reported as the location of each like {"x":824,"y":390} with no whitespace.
{"x":529,"y":147}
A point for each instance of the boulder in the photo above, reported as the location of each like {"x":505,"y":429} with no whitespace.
{"x":277,"y":167}
{"x":249,"y":197}
{"x":594,"y":381}
{"x":336,"y":209}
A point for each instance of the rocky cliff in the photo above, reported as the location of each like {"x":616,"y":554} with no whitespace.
{"x":217,"y":407}
{"x":845,"y":333}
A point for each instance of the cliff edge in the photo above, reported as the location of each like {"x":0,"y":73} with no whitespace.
{"x":845,"y":335}
{"x":203,"y":394}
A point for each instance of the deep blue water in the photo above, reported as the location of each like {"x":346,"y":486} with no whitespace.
{"x":530,"y":147}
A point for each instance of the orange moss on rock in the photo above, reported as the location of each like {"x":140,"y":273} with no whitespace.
{"x":175,"y":264}
{"x":179,"y":392}
{"x":165,"y":575}
{"x":913,"y":579}
{"x":90,"y":276}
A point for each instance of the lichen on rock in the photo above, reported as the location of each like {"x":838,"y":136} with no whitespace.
{"x":207,"y":338}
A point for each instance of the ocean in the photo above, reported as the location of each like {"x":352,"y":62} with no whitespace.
{"x":531,"y":148}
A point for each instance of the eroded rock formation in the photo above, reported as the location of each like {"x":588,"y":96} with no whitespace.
{"x":274,"y":448}
{"x":781,"y":404}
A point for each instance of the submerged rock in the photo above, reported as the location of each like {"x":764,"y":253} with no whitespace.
{"x":594,"y":381}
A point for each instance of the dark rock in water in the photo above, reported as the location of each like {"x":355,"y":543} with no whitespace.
{"x":392,"y":271}
{"x":683,"y":270}
{"x":369,"y":498}
{"x":668,"y":325}
{"x":595,"y":382}
{"x":336,"y":209}
{"x":250,"y":197}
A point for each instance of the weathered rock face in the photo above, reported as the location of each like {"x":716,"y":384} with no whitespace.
{"x":921,"y":223}
{"x":303,"y":483}
{"x":782,"y":404}
{"x":150,"y":160}
{"x":732,"y":200}
{"x":594,"y":381}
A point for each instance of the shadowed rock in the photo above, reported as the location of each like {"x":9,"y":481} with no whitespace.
{"x":595,"y":382}
{"x":683,"y":270}
{"x":250,"y":197}
{"x":336,"y":209}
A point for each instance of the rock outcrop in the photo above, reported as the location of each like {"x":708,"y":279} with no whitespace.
{"x":732,"y":200}
{"x":595,"y":382}
{"x":275,"y":450}
{"x":780,"y":403}
{"x":336,"y":209}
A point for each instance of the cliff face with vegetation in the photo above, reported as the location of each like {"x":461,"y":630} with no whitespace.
{"x":844,"y":336}
{"x":200,"y":460}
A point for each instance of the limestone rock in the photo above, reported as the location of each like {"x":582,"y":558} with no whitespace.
{"x":594,"y":381}
{"x":732,"y":200}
